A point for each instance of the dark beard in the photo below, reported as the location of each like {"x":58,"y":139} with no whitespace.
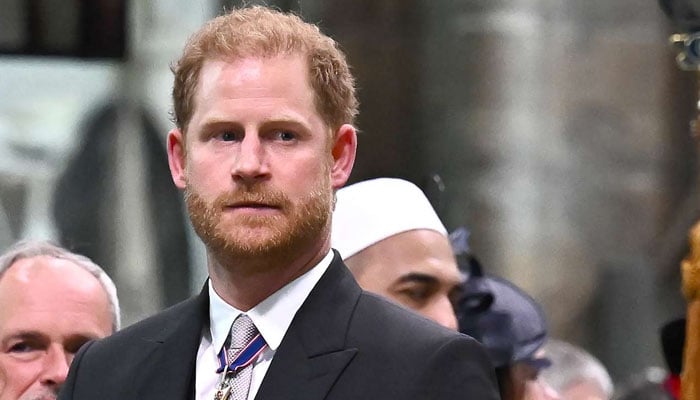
{"x":296,"y":229}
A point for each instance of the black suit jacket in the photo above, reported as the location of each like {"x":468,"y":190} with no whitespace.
{"x":342,"y":344}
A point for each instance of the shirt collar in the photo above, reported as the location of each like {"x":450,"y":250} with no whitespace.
{"x":273,"y":315}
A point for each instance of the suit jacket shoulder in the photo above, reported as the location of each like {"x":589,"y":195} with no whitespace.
{"x":346,"y":344}
{"x":342,"y":344}
{"x":434,"y":362}
{"x":152,"y":359}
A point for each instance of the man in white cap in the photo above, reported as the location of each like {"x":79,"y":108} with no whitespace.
{"x":392,"y":240}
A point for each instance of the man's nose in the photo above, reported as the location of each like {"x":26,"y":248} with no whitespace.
{"x":250,"y":165}
{"x":55,"y":368}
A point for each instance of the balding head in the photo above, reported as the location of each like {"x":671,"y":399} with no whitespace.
{"x":29,"y":249}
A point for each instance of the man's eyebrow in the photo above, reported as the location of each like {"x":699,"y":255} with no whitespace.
{"x":27,"y":334}
{"x":216,"y":120}
{"x":418,"y":277}
{"x":217,"y":123}
{"x":24,"y":335}
{"x":289,"y":122}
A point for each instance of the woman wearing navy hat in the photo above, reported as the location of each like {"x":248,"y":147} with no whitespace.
{"x":512,"y":327}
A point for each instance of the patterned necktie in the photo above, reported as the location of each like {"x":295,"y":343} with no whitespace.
{"x":244,"y":345}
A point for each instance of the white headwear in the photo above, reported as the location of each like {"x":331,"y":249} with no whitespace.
{"x":370,"y":211}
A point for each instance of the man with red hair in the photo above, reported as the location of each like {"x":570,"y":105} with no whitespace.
{"x":264,"y":106}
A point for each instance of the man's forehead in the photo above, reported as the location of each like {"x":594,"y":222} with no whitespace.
{"x":443,"y":270}
{"x":46,"y":294}
{"x":28,"y":268}
{"x":239,"y":71}
{"x":411,"y":258}
{"x":49,"y":276}
{"x":441,"y":277}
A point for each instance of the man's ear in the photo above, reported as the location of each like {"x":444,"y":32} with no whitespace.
{"x":343,"y":152}
{"x":176,"y":157}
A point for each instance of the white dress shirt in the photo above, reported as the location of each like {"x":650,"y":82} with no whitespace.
{"x":272,"y":317}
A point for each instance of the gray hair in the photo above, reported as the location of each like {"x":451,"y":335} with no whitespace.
{"x":572,"y":364}
{"x":29,"y":249}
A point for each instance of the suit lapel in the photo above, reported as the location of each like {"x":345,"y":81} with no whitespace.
{"x":312,"y":354}
{"x":174,"y":353}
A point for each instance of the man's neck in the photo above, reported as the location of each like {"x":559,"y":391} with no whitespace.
{"x":244,"y":283}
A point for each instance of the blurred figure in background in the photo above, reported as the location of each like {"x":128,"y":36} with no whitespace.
{"x":575,"y":373}
{"x":395,"y":245}
{"x":646,"y":385}
{"x":655,"y":383}
{"x":52,"y":301}
{"x":672,"y":344}
{"x":512,"y":327}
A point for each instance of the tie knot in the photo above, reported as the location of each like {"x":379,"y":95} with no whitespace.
{"x":242,"y":332}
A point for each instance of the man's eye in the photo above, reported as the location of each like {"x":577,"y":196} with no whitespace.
{"x":416,"y":294}
{"x":286,"y":136}
{"x":228,"y":136}
{"x":20,"y":347}
{"x":24,"y":349}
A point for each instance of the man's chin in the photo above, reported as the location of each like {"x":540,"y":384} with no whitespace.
{"x":43,"y":395}
{"x":246,"y":243}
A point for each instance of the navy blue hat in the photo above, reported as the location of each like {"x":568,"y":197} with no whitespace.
{"x":506,"y":320}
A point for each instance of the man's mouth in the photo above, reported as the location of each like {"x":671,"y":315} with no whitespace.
{"x":250,"y":204}
{"x":253,"y":208}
